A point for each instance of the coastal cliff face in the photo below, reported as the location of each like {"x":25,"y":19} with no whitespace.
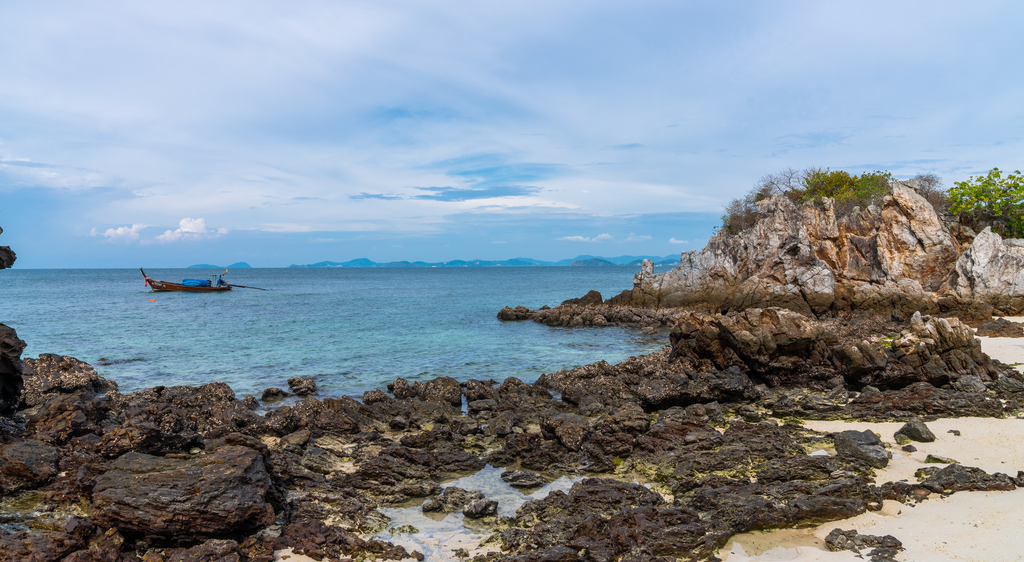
{"x":900,"y":257}
{"x":7,"y":255}
{"x":11,"y":347}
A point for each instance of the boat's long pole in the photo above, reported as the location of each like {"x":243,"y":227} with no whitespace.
{"x":244,"y":287}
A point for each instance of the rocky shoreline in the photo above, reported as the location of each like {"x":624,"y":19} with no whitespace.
{"x":802,"y":320}
{"x":673,"y":452}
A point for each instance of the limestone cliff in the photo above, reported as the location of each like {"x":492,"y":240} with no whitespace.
{"x":900,"y":257}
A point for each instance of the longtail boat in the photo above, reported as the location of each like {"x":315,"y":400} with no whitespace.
{"x":187,"y":285}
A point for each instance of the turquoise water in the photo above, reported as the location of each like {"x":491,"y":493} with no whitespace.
{"x":352,"y":329}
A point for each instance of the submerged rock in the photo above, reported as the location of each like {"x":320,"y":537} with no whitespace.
{"x":523,"y":479}
{"x":301,"y":386}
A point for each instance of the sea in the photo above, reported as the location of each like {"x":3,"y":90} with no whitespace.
{"x":351,"y":329}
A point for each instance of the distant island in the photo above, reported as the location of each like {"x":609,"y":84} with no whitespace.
{"x":578,"y":261}
{"x":239,"y":265}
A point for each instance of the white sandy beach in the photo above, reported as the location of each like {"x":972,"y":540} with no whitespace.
{"x":966,"y":526}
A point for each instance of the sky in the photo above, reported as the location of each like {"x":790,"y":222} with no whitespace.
{"x":169,"y":134}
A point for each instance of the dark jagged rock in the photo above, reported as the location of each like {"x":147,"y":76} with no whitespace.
{"x":214,"y":550}
{"x":208,"y":496}
{"x":68,"y":416}
{"x":523,"y":479}
{"x":473,"y":504}
{"x":1001,"y":328}
{"x":38,"y":547}
{"x":26,"y":465}
{"x":571,"y":314}
{"x":319,"y":541}
{"x":7,"y":257}
{"x":884,"y":549}
{"x":12,"y":369}
{"x":863,"y":445}
{"x":787,"y":348}
{"x":914,"y":430}
{"x":590,"y":299}
{"x":302,"y":386}
{"x":52,"y":374}
{"x":957,"y":478}
{"x":273,"y":395}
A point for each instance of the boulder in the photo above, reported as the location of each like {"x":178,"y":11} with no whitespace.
{"x":302,"y":386}
{"x":473,"y":504}
{"x":863,"y":445}
{"x":27,"y":464}
{"x":914,"y":430}
{"x":206,"y":496}
{"x":992,"y":270}
{"x":53,"y":374}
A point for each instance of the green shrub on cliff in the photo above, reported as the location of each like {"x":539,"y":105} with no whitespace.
{"x":848,"y":190}
{"x":991,"y":200}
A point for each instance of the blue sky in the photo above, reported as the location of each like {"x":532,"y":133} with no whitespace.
{"x":166,"y":135}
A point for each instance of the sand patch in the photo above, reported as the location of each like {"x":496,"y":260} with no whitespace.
{"x":966,"y":526}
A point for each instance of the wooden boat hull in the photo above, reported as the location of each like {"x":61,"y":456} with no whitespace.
{"x":162,"y":286}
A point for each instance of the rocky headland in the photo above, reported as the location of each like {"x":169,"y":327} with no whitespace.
{"x":801,"y":320}
{"x":895,"y":258}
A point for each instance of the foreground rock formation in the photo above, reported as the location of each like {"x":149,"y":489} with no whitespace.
{"x":194,"y":473}
{"x":897,"y":258}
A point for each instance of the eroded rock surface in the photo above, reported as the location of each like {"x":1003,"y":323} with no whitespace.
{"x":897,"y":258}
{"x":52,"y":374}
{"x":213,"y":495}
{"x":12,"y":369}
{"x":180,"y":473}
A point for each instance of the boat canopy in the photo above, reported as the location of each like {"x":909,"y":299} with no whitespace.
{"x":195,"y":282}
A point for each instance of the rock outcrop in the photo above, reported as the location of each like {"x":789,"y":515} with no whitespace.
{"x":898,"y":258}
{"x":7,"y":255}
{"x":12,"y":368}
{"x":52,"y":374}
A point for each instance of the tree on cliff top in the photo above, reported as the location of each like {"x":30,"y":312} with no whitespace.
{"x":991,"y":200}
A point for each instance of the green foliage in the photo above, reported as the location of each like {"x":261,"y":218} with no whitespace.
{"x":812,"y":184}
{"x":993,"y":199}
{"x":848,"y":190}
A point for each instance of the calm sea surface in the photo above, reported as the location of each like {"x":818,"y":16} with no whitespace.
{"x":352,"y":329}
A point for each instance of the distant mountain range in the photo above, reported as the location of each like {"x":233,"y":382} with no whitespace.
{"x":578,"y":261}
{"x":239,"y":265}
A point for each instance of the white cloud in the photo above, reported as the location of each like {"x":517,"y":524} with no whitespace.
{"x":598,"y":238}
{"x":189,"y":229}
{"x":674,"y":241}
{"x":636,"y":238}
{"x":126,"y":234}
{"x":499,"y":242}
